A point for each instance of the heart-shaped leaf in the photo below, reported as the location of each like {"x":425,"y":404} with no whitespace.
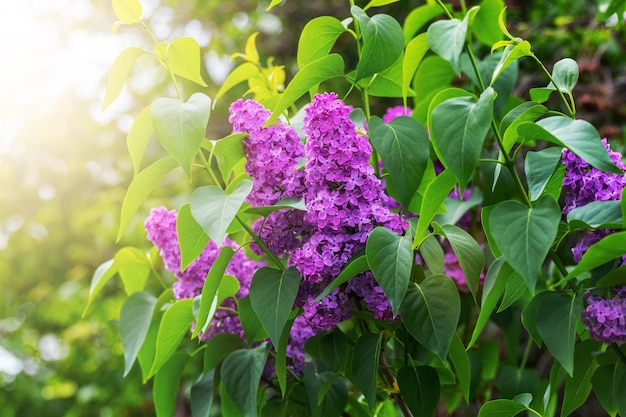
{"x":183,"y":58}
{"x":180,"y":127}
{"x":317,"y":39}
{"x":215,"y":210}
{"x":119,"y":72}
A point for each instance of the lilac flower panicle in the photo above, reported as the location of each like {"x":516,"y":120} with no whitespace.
{"x":605,"y":318}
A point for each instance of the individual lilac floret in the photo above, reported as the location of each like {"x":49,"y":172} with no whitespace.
{"x":606,"y":318}
{"x":584,"y":183}
{"x":273,"y":154}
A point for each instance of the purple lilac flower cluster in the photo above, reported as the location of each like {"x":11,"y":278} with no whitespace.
{"x":605,"y":318}
{"x":584,"y":184}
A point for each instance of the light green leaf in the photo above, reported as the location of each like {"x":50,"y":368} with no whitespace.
{"x":180,"y":127}
{"x":433,"y":75}
{"x":383,"y":42}
{"x":145,"y":357}
{"x":241,"y":375}
{"x":418,"y":17}
{"x":596,"y":215}
{"x":272,"y":294}
{"x":431,"y":312}
{"x":458,"y":129}
{"x":534,"y":230}
{"x":228,"y":152}
{"x":273,"y":4}
{"x":215,"y":210}
{"x":565,"y":74}
{"x":175,"y":324}
{"x":611,"y":247}
{"x":579,"y":136}
{"x":140,"y":187}
{"x":119,"y":73}
{"x":309,"y":76}
{"x":413,"y":54}
{"x":512,"y":53}
{"x":432,"y":254}
{"x":134,"y":268}
{"x":390,"y":257}
{"x":208,"y":301}
{"x":539,"y":168}
{"x":528,"y":111}
{"x":420,"y":388}
{"x":485,"y":25}
{"x":166,"y":381}
{"x":242,"y":73}
{"x":191,"y":237}
{"x":138,"y":136}
{"x":103,"y":273}
{"x":501,"y":408}
{"x":557,"y":315}
{"x":128,"y":11}
{"x":317,"y":39}
{"x":435,"y":194}
{"x":135,"y":319}
{"x":365,"y":365}
{"x":378,"y":3}
{"x":183,"y":58}
{"x":404,"y":148}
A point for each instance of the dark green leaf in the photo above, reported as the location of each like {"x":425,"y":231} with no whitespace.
{"x":135,"y":319}
{"x":365,"y":365}
{"x":201,"y":395}
{"x":596,"y":215}
{"x":218,"y":347}
{"x":241,"y":374}
{"x":447,"y":39}
{"x":557,"y":315}
{"x":327,"y":393}
{"x":514,"y":290}
{"x":539,"y":168}
{"x":250,"y":323}
{"x":180,"y":127}
{"x":431,"y":312}
{"x":432,"y":255}
{"x":390,"y":257}
{"x":403,"y":145}
{"x":433,"y":75}
{"x":357,"y":265}
{"x":334,"y":350}
{"x":528,"y":111}
{"x":578,"y":386}
{"x":166,"y":380}
{"x":606,"y":382}
{"x":272,"y":294}
{"x":462,"y":366}
{"x":458,"y":129}
{"x":286,"y":203}
{"x":215,"y":210}
{"x":524,"y":235}
{"x":145,"y":357}
{"x":419,"y":387}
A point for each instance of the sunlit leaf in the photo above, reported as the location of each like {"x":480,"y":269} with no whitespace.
{"x":485,"y":25}
{"x":138,"y":136}
{"x":128,"y":11}
{"x":512,"y":53}
{"x":183,"y":59}
{"x":317,"y":39}
{"x":242,"y":73}
{"x":596,"y":215}
{"x":119,"y":73}
{"x":191,"y":237}
{"x":418,"y":17}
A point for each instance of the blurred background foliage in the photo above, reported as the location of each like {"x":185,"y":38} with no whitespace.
{"x":64,"y":166}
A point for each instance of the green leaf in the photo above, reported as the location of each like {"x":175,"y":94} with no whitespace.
{"x":596,"y":215}
{"x":468,"y":252}
{"x":281,"y":357}
{"x":365,"y":365}
{"x":458,"y":129}
{"x":145,"y":357}
{"x":334,"y":348}
{"x":310,"y":75}
{"x":215,"y":210}
{"x":140,"y":187}
{"x":176,"y":323}
{"x":578,"y":386}
{"x":431,"y":312}
{"x":119,"y":73}
{"x":512,"y":53}
{"x":272,"y":294}
{"x":435,"y":194}
{"x":208,"y":300}
{"x":533,"y":229}
{"x":525,"y":112}
{"x":180,"y":127}
{"x":611,"y":247}
{"x":135,"y":319}
{"x":493,"y":286}
{"x":387,"y":83}
{"x":485,"y":25}
{"x":241,"y":375}
{"x":608,"y":384}
{"x":432,"y":254}
{"x":379,"y":3}
{"x":403,"y":145}
{"x":419,"y":387}
{"x":501,"y":408}
{"x":447,"y":38}
{"x":578,"y":136}
{"x":138,"y":136}
{"x":413,"y":54}
{"x":327,"y":393}
{"x":541,"y":94}
{"x":166,"y":381}
{"x":565,"y":74}
{"x":201,"y":395}
{"x":228,"y":152}
{"x":103,"y":273}
{"x":557,"y":315}
{"x":457,"y":208}
{"x":250,"y":323}
{"x":243,"y":72}
{"x":183,"y":59}
{"x":539,"y":168}
{"x":433,"y":75}
{"x":285,"y":203}
{"x":383,"y":42}
{"x":218,"y":347}
{"x":390,"y":257}
{"x":462,"y":366}
{"x":128,"y":11}
{"x":514,"y":290}
{"x":355,"y":266}
{"x":418,"y":17}
{"x":134,"y":267}
{"x":317,"y":39}
{"x":191,"y":237}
